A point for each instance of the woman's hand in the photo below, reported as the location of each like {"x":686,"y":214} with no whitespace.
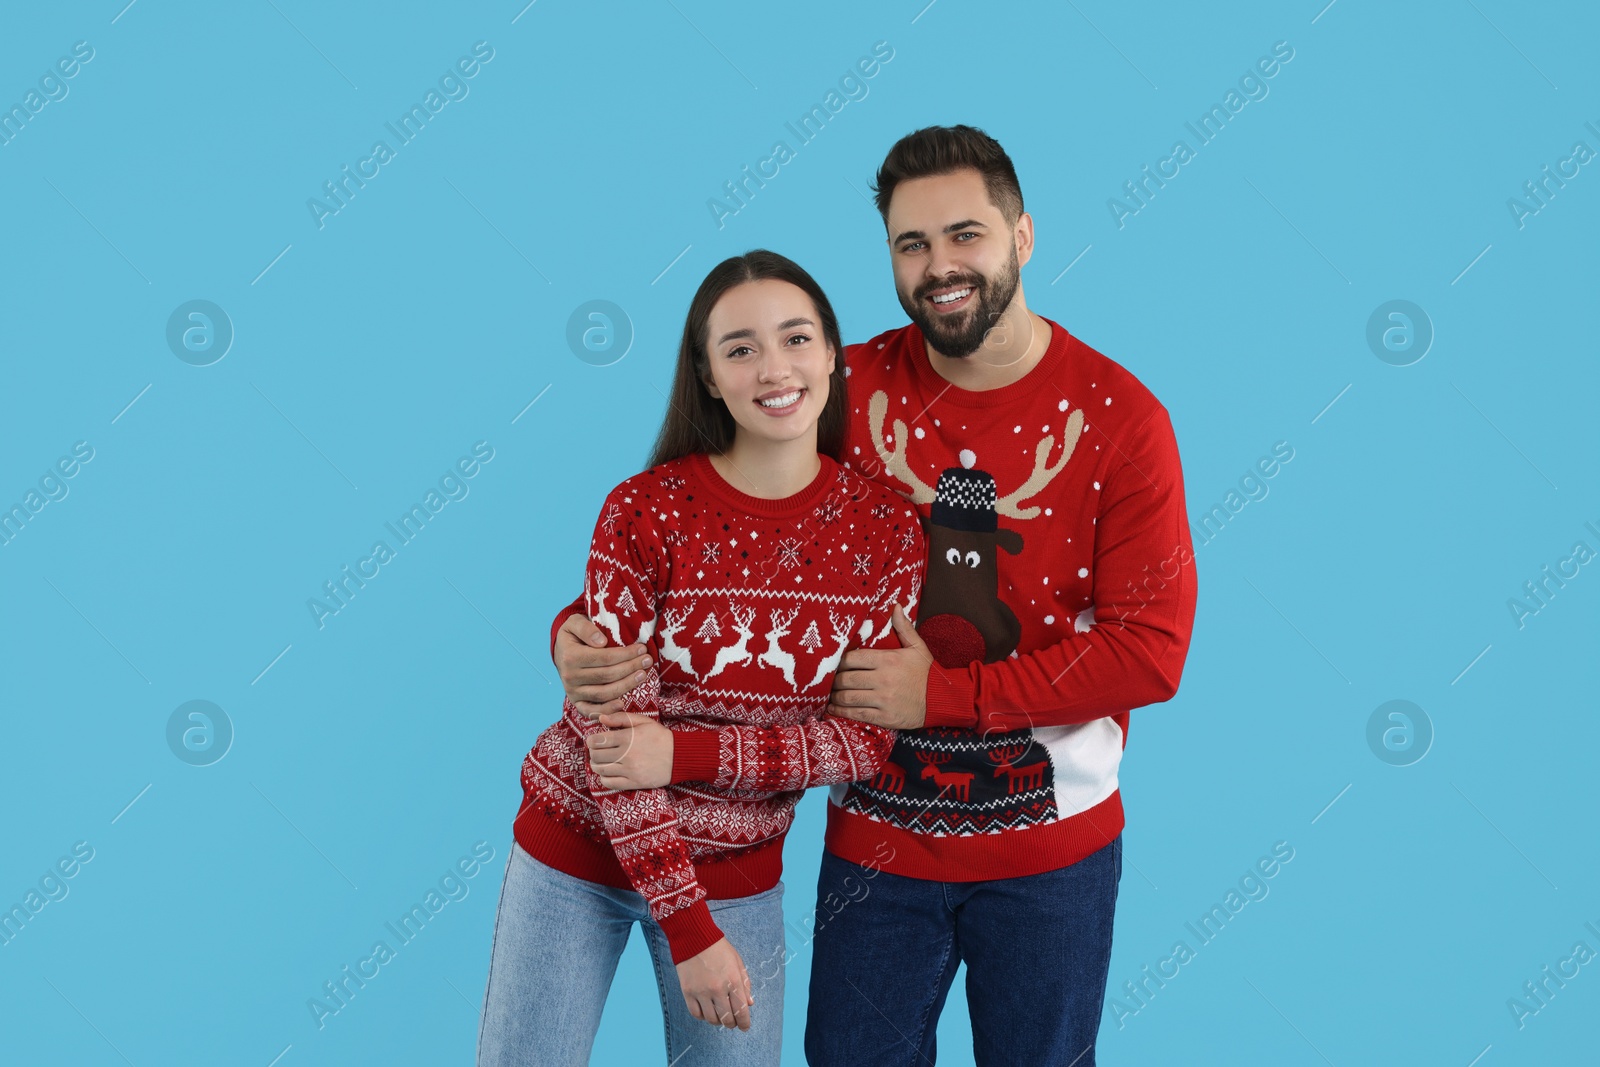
{"x":634,"y":752}
{"x":595,"y":677}
{"x":716,"y":987}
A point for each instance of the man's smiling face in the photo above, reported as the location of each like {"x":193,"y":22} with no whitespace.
{"x":956,"y":263}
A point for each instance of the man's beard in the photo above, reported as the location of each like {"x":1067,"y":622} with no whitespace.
{"x":959,"y":336}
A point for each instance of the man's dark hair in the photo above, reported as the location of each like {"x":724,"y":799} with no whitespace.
{"x":944,"y":150}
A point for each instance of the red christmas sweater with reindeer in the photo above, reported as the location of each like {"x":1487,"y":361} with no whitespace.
{"x":746,"y":606}
{"x":1059,"y":595}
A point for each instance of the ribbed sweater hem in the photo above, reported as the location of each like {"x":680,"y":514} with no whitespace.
{"x":556,"y":845}
{"x":973,"y":857}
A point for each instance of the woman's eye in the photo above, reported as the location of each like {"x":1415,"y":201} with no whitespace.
{"x":741,"y":350}
{"x":802,"y":338}
{"x":952,"y":556}
{"x":972,"y":559}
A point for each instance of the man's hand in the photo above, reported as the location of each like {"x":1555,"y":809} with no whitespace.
{"x":596,"y":677}
{"x":885,"y":686}
{"x":716,"y":987}
{"x":634,"y":752}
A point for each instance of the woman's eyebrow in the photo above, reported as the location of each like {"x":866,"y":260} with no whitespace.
{"x":784,"y":325}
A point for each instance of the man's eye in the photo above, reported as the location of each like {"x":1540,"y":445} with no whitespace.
{"x":968,"y":234}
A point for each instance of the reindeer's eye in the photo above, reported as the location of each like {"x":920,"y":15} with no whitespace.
{"x":972,"y":559}
{"x":952,"y":556}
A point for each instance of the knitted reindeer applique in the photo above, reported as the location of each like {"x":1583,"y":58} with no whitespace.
{"x":949,"y":780}
{"x":962,"y":617}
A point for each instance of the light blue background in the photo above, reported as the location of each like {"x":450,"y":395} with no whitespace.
{"x":432,"y":310}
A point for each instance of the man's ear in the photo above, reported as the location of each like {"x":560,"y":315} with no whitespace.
{"x":1024,"y":238}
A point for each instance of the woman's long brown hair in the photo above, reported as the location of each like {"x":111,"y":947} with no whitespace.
{"x":695,"y":420}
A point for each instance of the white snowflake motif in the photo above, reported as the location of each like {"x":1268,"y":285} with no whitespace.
{"x":610,"y":519}
{"x":790,"y":555}
{"x":863,"y":564}
{"x":677,"y":537}
{"x":828,"y":512}
{"x":710,"y":551}
{"x":672,"y":481}
{"x":907,"y":539}
{"x":882,"y":511}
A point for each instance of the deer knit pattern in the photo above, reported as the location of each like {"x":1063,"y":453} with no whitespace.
{"x":746,"y":606}
{"x":1060,"y":594}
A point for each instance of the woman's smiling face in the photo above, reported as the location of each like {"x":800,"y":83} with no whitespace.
{"x":768,"y":360}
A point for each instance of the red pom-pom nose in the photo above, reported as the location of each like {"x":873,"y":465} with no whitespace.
{"x":952,"y":639}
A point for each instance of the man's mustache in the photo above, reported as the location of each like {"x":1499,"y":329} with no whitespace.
{"x":928,"y":287}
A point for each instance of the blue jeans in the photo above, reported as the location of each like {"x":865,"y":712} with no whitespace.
{"x":557,"y":940}
{"x":1037,"y":950}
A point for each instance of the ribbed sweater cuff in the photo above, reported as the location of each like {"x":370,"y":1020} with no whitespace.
{"x":695,"y":755}
{"x":950,"y":698}
{"x":690,"y":931}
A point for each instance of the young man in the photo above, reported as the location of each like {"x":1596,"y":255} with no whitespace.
{"x":1060,"y":595}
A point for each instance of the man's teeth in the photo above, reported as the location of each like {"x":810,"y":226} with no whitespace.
{"x":950,"y":298}
{"x":780,"y":401}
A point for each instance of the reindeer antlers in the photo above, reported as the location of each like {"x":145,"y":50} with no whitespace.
{"x":782,"y":619}
{"x":1042,"y":472}
{"x":895,"y":460}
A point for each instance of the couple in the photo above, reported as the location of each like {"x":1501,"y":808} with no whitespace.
{"x":746,"y":632}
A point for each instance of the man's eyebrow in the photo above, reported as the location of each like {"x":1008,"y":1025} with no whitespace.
{"x":784,"y":325}
{"x":964,"y":224}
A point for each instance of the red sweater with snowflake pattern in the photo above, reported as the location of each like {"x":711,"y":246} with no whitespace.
{"x":746,"y":606}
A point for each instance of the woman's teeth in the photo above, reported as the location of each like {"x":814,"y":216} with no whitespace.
{"x":780,"y":401}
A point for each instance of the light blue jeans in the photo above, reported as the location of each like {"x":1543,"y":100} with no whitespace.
{"x":557,"y":940}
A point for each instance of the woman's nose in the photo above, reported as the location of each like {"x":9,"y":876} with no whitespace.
{"x":774,"y":367}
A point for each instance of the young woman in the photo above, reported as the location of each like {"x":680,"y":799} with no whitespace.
{"x":747,"y":560}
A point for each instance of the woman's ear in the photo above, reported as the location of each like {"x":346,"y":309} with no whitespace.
{"x":711,"y":387}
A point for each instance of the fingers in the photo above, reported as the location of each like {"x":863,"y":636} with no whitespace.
{"x":584,"y":630}
{"x":594,"y":711}
{"x":617,"y":783}
{"x":852,"y":679}
{"x":858,"y":659}
{"x":862,"y":714}
{"x":585,"y":649}
{"x":728,"y":1006}
{"x":607,"y":683}
{"x":603,"y":760}
{"x":739,"y":1002}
